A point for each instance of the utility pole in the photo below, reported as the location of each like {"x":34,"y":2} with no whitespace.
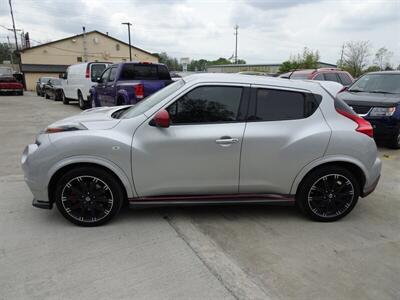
{"x":236,"y":38}
{"x":129,"y":37}
{"x":16,"y":44}
{"x":84,"y":45}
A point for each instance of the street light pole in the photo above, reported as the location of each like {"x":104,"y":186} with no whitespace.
{"x":129,"y":37}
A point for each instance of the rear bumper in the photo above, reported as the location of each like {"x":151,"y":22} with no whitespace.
{"x":373,"y":177}
{"x":368,"y":190}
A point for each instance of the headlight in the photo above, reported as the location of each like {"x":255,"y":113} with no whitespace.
{"x":382,"y":111}
{"x":63,"y":128}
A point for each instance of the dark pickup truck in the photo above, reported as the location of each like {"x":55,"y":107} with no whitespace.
{"x":376,"y":97}
{"x":128,"y":83}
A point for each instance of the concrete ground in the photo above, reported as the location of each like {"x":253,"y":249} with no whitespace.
{"x":251,"y":252}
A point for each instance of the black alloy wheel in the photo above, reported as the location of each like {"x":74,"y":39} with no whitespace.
{"x":88,"y":196}
{"x":328,"y":194}
{"x":395,"y":142}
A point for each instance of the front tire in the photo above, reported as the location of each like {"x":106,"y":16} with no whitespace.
{"x":328,"y":194}
{"x":64,"y":99}
{"x":88,"y":196}
{"x":395,"y":142}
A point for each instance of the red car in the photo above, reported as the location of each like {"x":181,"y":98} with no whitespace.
{"x":10,"y":85}
{"x":322,"y":74}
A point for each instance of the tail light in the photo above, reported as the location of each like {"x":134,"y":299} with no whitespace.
{"x":87,"y":74}
{"x":363,"y":125}
{"x":139,"y":91}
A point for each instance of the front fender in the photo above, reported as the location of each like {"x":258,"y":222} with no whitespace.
{"x":93,"y":160}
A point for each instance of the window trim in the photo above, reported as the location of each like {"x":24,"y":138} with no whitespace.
{"x":243,"y":104}
{"x":252,"y":109}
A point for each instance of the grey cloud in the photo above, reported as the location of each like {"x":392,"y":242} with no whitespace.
{"x":277,"y":4}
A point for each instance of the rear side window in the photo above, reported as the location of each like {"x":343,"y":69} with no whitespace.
{"x":346,"y":80}
{"x":278,"y":105}
{"x":96,"y":71}
{"x":332,"y":77}
{"x":139,"y":72}
{"x":207,"y":104}
{"x":319,"y":77}
{"x":163,"y":73}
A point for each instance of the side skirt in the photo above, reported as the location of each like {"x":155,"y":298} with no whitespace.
{"x":195,"y":200}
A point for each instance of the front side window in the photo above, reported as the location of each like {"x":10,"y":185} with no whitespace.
{"x":278,"y":105}
{"x":104,"y":76}
{"x":113,"y":74}
{"x":207,"y":104}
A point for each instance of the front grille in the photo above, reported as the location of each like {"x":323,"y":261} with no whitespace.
{"x":361,"y":109}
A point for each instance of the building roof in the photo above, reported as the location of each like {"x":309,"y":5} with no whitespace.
{"x":87,"y":33}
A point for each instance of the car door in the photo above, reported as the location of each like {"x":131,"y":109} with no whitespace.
{"x":101,"y":88}
{"x":285,"y":131}
{"x":200,"y":152}
{"x":110,"y":87}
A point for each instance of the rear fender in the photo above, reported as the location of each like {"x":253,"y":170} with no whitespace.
{"x":122,"y":93}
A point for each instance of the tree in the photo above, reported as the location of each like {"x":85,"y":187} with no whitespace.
{"x":355,"y":57}
{"x":372,"y":69}
{"x":382,"y":58}
{"x":6,"y":52}
{"x":307,"y":60}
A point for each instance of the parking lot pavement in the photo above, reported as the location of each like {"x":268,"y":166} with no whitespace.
{"x":252,"y":252}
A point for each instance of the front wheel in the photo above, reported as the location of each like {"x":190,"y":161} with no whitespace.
{"x":64,"y":99}
{"x":88,"y":196}
{"x":395,"y":141}
{"x":328,"y":194}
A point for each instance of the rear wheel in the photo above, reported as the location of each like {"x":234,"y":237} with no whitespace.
{"x":82,"y":103}
{"x":395,"y":142}
{"x":328,"y":194}
{"x":88,"y":196}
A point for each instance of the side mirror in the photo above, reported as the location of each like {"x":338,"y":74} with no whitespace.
{"x":161,"y":119}
{"x":63,"y":76}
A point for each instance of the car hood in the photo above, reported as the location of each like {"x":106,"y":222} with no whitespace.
{"x":370,"y":99}
{"x":99,"y":118}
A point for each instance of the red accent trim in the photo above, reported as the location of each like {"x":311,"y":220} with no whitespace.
{"x":214,"y":197}
{"x":363,"y":125}
{"x":161,"y":119}
{"x":87,"y":75}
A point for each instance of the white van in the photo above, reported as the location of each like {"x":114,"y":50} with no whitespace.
{"x":79,"y":79}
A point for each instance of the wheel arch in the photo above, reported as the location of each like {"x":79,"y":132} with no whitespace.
{"x":119,"y":175}
{"x":352,"y":166}
{"x":122,"y":94}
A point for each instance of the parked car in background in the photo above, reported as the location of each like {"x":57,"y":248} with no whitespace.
{"x":10,"y":85}
{"x":40,"y":85}
{"x":290,"y":141}
{"x":53,"y":89}
{"x":253,"y":73}
{"x":321,"y":74}
{"x":376,"y":97}
{"x":79,"y":78}
{"x":128,"y":83}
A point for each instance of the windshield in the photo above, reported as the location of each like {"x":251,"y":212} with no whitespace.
{"x":152,"y":100}
{"x":378,"y":83}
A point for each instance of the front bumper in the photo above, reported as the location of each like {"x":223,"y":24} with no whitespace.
{"x":42,"y":204}
{"x":385,"y":128}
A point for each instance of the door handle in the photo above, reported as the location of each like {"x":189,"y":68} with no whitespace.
{"x":226,"y":141}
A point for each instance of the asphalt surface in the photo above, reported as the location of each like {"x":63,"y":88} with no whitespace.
{"x":235,"y":252}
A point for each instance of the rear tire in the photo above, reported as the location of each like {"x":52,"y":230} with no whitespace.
{"x":328,"y":194}
{"x":395,"y":142}
{"x":88,"y":196}
{"x":82,"y":103}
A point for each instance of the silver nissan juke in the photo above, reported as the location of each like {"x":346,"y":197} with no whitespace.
{"x":208,"y":139}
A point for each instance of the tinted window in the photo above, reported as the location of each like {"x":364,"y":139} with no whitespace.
{"x":113,"y":74}
{"x":298,"y":75}
{"x":207,"y":104}
{"x":346,"y":80}
{"x":163,"y":73}
{"x":331,"y":77}
{"x":139,"y":72}
{"x":276,"y":105}
{"x":96,"y":71}
{"x":320,"y":77}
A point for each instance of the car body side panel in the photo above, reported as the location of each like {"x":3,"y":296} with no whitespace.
{"x":274,"y":152}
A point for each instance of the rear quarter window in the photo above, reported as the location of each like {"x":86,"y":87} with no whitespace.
{"x":279,"y":105}
{"x":345,"y":78}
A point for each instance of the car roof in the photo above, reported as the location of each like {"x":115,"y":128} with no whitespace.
{"x":251,"y":79}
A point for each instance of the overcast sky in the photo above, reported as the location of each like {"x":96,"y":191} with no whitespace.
{"x":269,"y":31}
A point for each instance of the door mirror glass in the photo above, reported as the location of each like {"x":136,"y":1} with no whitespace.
{"x":161,"y":119}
